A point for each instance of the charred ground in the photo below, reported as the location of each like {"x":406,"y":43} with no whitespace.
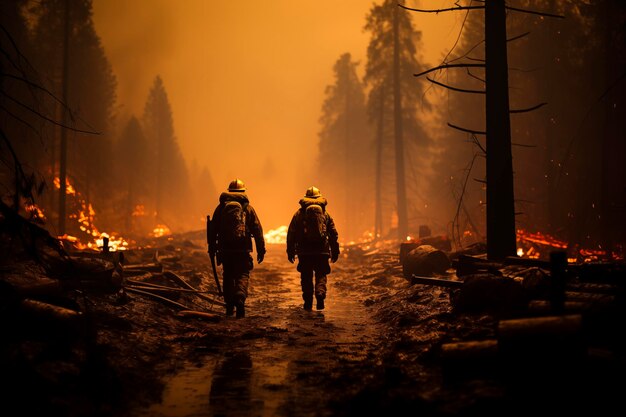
{"x":377,"y":348}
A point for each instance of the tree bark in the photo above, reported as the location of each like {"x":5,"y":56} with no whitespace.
{"x":399,"y":133}
{"x":500,"y":199}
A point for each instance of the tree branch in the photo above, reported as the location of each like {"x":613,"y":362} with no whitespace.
{"x":515,"y":9}
{"x":462,"y":129}
{"x":514,"y":38}
{"x":528,"y":109}
{"x":441,"y":10}
{"x":445,"y":66}
{"x":454,"y":88}
{"x":43,"y":116}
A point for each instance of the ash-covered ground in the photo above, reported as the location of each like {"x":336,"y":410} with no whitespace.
{"x":374,"y":350}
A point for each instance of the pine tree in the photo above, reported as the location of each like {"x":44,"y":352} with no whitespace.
{"x":345,"y":148}
{"x":90,"y":86}
{"x":170,"y":188}
{"x":132,"y":156}
{"x":394,"y":98}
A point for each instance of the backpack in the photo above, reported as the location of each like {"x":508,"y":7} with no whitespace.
{"x":232,"y":227}
{"x":314,"y":222}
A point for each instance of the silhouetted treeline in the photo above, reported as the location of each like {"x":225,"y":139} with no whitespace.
{"x":130,"y":172}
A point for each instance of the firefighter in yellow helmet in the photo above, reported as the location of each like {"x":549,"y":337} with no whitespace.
{"x":234,"y":224}
{"x":312,"y":237}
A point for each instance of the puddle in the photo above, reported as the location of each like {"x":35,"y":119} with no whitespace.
{"x":283,"y":368}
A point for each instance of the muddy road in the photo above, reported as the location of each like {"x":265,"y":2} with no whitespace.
{"x":281,"y":359}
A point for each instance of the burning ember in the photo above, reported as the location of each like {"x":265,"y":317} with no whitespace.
{"x":538,"y":245}
{"x":35,"y":212}
{"x":276,"y":236}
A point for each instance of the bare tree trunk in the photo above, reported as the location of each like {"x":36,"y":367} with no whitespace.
{"x":398,"y":130}
{"x":348,"y":174}
{"x":63,"y":150}
{"x":500,"y":199}
{"x":378,"y":210}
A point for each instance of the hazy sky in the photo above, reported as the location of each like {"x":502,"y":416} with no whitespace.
{"x":246,"y":79}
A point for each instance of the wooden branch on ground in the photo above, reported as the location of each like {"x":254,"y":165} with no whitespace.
{"x":184,"y":283}
{"x":447,"y":283}
{"x":157,"y":297}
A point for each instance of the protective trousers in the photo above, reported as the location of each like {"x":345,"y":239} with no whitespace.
{"x":236,"y":277}
{"x":308,"y":266}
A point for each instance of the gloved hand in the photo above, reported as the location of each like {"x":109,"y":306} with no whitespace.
{"x":334,"y":256}
{"x":291,"y":257}
{"x":260,"y":256}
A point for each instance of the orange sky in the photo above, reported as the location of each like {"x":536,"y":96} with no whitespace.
{"x":246,"y":79}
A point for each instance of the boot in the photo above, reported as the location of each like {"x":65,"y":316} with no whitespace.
{"x":230,"y":310}
{"x":241,"y":310}
{"x":320,"y":303}
{"x":308,"y":304}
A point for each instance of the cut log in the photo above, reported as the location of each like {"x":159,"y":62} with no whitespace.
{"x":471,"y":350}
{"x":468,"y":265}
{"x":43,"y":310}
{"x":539,"y":327}
{"x":486,"y":293}
{"x":199,"y":314}
{"x":425,"y":260}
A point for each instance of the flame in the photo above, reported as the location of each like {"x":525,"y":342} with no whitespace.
{"x":531,"y":245}
{"x":85,"y":217}
{"x":139,"y":211}
{"x":276,"y":236}
{"x":36,"y":212}
{"x":161,"y":230}
{"x":69,"y":189}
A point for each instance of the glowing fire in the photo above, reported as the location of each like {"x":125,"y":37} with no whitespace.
{"x":85,"y":217}
{"x":35,"y":212}
{"x":276,"y":236}
{"x":534,"y":245}
{"x":139,"y":211}
{"x":161,"y":230}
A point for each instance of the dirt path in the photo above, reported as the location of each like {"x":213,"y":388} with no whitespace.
{"x":280,"y":359}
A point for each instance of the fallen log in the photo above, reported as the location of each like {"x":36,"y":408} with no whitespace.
{"x":43,"y":310}
{"x":199,"y":314}
{"x":150,"y":267}
{"x":471,"y":350}
{"x":425,"y":260}
{"x":547,"y":326}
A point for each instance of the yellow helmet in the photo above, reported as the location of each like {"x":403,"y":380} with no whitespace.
{"x":236,"y":185}
{"x":313,"y":192}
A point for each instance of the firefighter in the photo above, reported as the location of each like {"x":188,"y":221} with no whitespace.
{"x":234,"y":224}
{"x":312,"y":238}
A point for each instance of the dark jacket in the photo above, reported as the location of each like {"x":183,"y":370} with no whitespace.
{"x":296,"y":245}
{"x":253,"y":226}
